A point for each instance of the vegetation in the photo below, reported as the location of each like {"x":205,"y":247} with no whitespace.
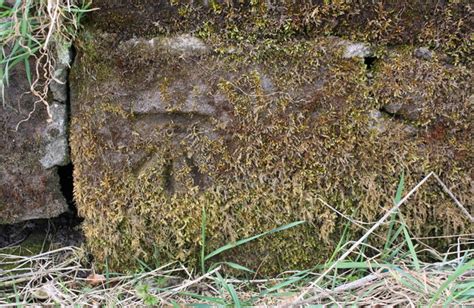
{"x":291,"y":127}
{"x":443,"y":26}
{"x":287,"y":174}
{"x":356,"y":274}
{"x":36,"y":33}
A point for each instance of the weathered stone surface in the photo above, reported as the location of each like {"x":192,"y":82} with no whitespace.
{"x":359,"y":50}
{"x":255,"y":134}
{"x":27,"y":189}
{"x":445,"y":25}
{"x":422,"y":91}
{"x":423,"y":53}
{"x":56,"y":148}
{"x":58,"y":86}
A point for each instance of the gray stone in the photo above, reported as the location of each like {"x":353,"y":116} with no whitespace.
{"x":185,"y":43}
{"x":195,"y":102}
{"x":377,"y":121}
{"x":58,"y":86}
{"x":392,"y":108}
{"x":160,"y":129}
{"x":423,"y":53}
{"x":55,"y":137}
{"x":27,"y":189}
{"x":405,"y":111}
{"x":55,"y":154}
{"x":357,"y":50}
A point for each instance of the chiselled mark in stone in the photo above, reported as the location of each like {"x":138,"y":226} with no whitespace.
{"x":177,"y":117}
{"x":199,"y":178}
{"x":174,"y":110}
{"x":167,"y":175}
{"x":170,"y":166}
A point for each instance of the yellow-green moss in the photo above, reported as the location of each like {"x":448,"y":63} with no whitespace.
{"x":441,"y":25}
{"x":265,"y":157}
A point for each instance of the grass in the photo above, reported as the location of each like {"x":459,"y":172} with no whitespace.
{"x":36,"y":30}
{"x":397,"y":273}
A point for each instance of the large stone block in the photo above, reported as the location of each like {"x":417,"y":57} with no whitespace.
{"x":33,"y":144}
{"x":257,"y":135}
{"x":443,"y":25}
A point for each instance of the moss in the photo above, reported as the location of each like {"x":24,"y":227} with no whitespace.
{"x":290,"y":124}
{"x":436,"y":90}
{"x":441,"y":25}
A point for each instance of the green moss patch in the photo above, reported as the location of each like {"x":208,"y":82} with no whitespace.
{"x":256,"y":134}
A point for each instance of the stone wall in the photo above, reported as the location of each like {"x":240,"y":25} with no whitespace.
{"x":256,"y":113}
{"x":34,"y":144}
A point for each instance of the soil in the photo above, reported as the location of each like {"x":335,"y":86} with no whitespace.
{"x":60,"y":231}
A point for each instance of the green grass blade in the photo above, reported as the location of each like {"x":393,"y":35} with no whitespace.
{"x":17,"y":296}
{"x":467,"y":292}
{"x":143,"y":265}
{"x":395,"y":252}
{"x":235,"y":297}
{"x":203,"y":240}
{"x":238,"y":267}
{"x":17,"y":5}
{"x":395,"y":236}
{"x":209,"y":299}
{"x":401,"y":185}
{"x":409,"y":242}
{"x":107,"y":272}
{"x":396,"y":200}
{"x":246,"y":240}
{"x":457,"y":273}
{"x":390,"y":237}
{"x":341,"y":242}
{"x":411,"y":282}
{"x":12,"y":61}
{"x":290,"y":281}
{"x":411,"y":248}
{"x":199,"y":305}
{"x":230,"y":289}
{"x":24,"y":23}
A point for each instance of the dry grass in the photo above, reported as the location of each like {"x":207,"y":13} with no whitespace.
{"x":59,"y":277}
{"x":357,"y":274}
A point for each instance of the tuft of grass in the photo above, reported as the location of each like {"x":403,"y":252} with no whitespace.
{"x":36,"y":29}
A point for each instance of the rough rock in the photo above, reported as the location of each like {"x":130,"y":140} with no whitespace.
{"x":445,"y":24}
{"x":406,"y":111}
{"x":360,"y":50}
{"x":27,"y":189}
{"x":56,"y":148}
{"x":422,"y":91}
{"x":58,"y":86}
{"x":255,"y":136}
{"x":423,"y":53}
